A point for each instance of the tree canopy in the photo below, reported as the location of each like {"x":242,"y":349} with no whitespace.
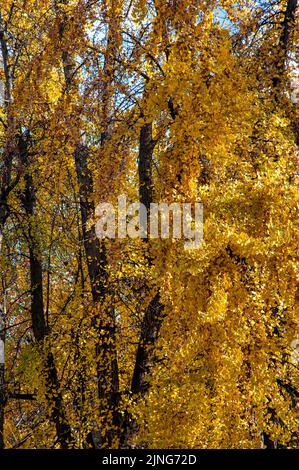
{"x":118,"y":343}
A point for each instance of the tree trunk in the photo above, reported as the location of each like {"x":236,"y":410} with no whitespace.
{"x":104,"y":321}
{"x":5,"y":188}
{"x":39,"y":326}
{"x":153,"y":315}
{"x":283,"y":45}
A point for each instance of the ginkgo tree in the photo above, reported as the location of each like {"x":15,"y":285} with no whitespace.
{"x":118,"y":343}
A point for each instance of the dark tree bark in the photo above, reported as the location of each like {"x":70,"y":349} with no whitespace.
{"x":145,"y":162}
{"x":284,"y":43}
{"x":6,"y":187}
{"x":153,"y":315}
{"x":267,"y":442}
{"x":104,"y":321}
{"x":8,"y":154}
{"x":39,"y":325}
{"x":145,"y":356}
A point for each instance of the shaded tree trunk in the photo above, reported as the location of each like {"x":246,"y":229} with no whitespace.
{"x":5,"y":189}
{"x":284,"y":45}
{"x":104,"y":320}
{"x":153,"y":316}
{"x":145,"y":356}
{"x":39,"y":325}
